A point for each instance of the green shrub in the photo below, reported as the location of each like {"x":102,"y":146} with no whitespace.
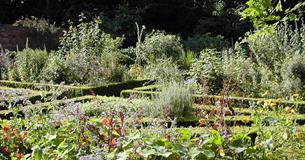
{"x":293,"y":74}
{"x":175,"y":100}
{"x":89,"y":39}
{"x":241,"y":70}
{"x":273,"y":61}
{"x":278,"y":55}
{"x":29,"y":64}
{"x":91,"y":55}
{"x":271,"y":48}
{"x":112,"y":70}
{"x":136,"y":72}
{"x":209,"y":67}
{"x":163,"y":71}
{"x":160,"y":45}
{"x":54,"y":69}
{"x":82,"y":68}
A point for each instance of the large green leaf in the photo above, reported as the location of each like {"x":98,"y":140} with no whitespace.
{"x":146,"y":152}
{"x":195,"y":153}
{"x":36,"y":153}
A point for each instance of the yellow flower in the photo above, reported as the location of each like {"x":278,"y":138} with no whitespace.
{"x":269,"y":155}
{"x":265,"y":94}
{"x":296,"y":95}
{"x":260,"y":110}
{"x":202,"y":121}
{"x":289,"y":121}
{"x":222,"y":152}
{"x":272,"y":104}
{"x":267,"y":103}
{"x":258,"y":146}
{"x":259,"y":102}
{"x":246,"y":120}
{"x":287,"y":109}
{"x":299,"y":136}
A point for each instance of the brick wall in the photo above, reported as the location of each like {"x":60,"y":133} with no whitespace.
{"x":13,"y":36}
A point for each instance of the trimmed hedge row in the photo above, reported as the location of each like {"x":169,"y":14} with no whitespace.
{"x":112,"y":89}
{"x":211,"y":99}
{"x":245,"y":101}
{"x":148,"y":88}
{"x":128,"y":93}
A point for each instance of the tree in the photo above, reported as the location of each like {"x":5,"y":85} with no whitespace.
{"x":265,"y":12}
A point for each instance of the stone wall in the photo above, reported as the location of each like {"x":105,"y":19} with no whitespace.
{"x":12,"y":37}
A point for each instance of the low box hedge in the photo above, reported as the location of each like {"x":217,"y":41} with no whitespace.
{"x":128,"y":93}
{"x":147,"y":88}
{"x":211,"y":99}
{"x":246,"y":102}
{"x":112,"y":89}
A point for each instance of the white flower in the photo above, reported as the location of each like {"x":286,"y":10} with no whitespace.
{"x":285,"y":136}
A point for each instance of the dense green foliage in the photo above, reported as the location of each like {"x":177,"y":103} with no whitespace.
{"x":181,"y":16}
{"x":265,"y":12}
{"x":27,"y":65}
{"x":264,"y":61}
{"x":159,"y":45}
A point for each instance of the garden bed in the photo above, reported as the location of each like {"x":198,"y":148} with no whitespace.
{"x":211,"y":99}
{"x":112,"y":89}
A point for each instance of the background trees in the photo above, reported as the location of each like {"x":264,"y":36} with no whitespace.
{"x":184,"y":17}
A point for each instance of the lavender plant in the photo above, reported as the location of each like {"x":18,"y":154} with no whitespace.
{"x":175,"y":100}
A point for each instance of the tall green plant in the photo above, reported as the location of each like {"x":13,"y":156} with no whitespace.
{"x":87,"y":37}
{"x":209,"y":67}
{"x":90,"y":55}
{"x":186,"y":59}
{"x":159,"y":45}
{"x":175,"y":100}
{"x":275,"y":54}
{"x":29,"y":64}
{"x":240,"y":69}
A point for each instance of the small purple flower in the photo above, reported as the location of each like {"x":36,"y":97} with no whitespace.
{"x":226,"y":135}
